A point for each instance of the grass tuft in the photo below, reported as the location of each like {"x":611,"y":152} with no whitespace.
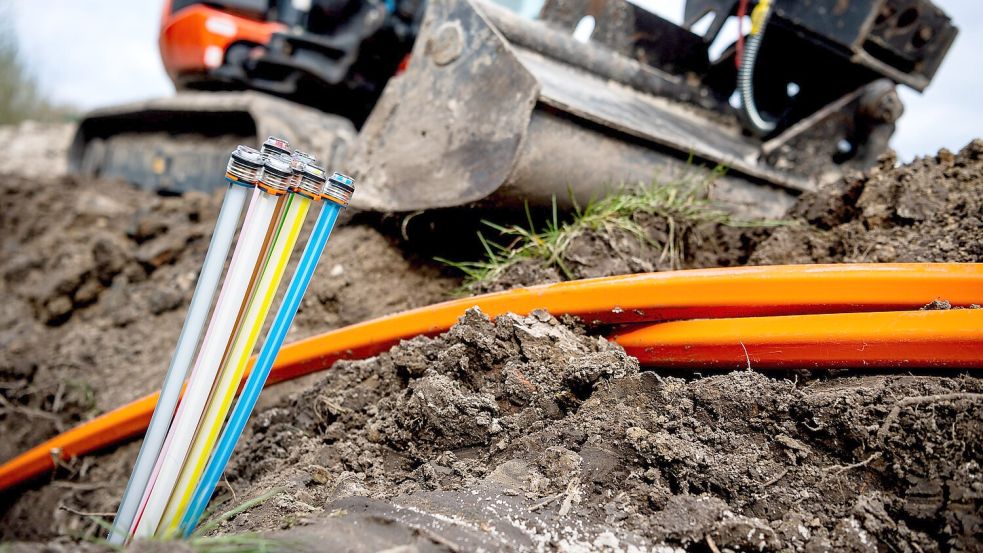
{"x":681,"y":204}
{"x":242,"y":507}
{"x":200,"y":543}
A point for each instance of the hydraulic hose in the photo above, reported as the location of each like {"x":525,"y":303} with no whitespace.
{"x":266,"y":203}
{"x":745,"y":73}
{"x":653,"y":297}
{"x":242,"y":172}
{"x":338,"y":193}
{"x":235,"y":361}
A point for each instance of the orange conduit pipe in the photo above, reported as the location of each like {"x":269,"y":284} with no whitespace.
{"x":666,"y":296}
{"x":114,"y":427}
{"x":921,"y":339}
{"x":650,"y":297}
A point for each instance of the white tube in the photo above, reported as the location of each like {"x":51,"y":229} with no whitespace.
{"x":194,"y":322}
{"x":220,"y":328}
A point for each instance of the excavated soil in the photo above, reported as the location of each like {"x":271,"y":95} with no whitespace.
{"x":929,"y":210}
{"x":527,"y":434}
{"x":95,"y":277}
{"x":615,"y":251}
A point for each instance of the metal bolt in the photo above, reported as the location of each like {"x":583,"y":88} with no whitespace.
{"x":447,"y":43}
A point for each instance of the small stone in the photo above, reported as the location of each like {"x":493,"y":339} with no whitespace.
{"x":319,"y":474}
{"x":57,"y":309}
{"x":636,"y":433}
{"x":88,"y":292}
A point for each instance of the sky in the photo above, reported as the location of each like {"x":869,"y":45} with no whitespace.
{"x":94,"y":53}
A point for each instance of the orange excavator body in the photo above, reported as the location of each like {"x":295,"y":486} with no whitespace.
{"x":194,"y":38}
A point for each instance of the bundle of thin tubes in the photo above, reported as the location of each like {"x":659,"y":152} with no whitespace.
{"x":189,"y":443}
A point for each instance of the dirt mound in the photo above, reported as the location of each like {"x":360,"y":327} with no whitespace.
{"x":519,"y":434}
{"x":528,"y":433}
{"x":929,"y":210}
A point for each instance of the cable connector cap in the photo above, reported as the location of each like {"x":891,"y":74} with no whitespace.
{"x":298,"y":161}
{"x":339,"y":189}
{"x":312,"y":181}
{"x":276,"y":176}
{"x":275,"y":146}
{"x":245,"y":166}
{"x":299,"y":157}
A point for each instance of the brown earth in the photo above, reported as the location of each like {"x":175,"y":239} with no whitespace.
{"x":518,"y":434}
{"x":95,"y":277}
{"x":616,"y":252}
{"x":548,"y":435}
{"x":929,"y":210}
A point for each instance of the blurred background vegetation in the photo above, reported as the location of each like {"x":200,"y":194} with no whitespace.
{"x":20,"y":96}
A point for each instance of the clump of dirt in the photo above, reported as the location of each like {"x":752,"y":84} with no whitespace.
{"x":464,"y":389}
{"x":929,"y":210}
{"x":527,"y":432}
{"x":96,"y":277}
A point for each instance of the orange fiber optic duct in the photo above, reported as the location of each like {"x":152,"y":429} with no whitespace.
{"x":666,"y":296}
{"x":919,"y":339}
{"x":651,"y":297}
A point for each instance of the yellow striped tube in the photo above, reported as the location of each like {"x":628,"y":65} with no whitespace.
{"x":236,"y":361}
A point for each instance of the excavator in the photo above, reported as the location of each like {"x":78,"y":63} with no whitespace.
{"x":445,"y":103}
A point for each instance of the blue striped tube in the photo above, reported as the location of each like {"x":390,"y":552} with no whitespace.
{"x":264,"y":363}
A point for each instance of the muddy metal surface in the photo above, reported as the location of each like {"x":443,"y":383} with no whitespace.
{"x":519,"y":434}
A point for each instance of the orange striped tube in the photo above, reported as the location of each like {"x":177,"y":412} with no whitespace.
{"x":900,"y":340}
{"x":650,"y":297}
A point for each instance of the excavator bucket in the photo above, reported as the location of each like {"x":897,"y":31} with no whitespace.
{"x":498,"y":109}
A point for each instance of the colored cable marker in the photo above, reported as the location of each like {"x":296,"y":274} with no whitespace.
{"x":242,"y":172}
{"x":298,"y":204}
{"x":337,"y":193}
{"x":653,"y":297}
{"x":266,"y":202}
